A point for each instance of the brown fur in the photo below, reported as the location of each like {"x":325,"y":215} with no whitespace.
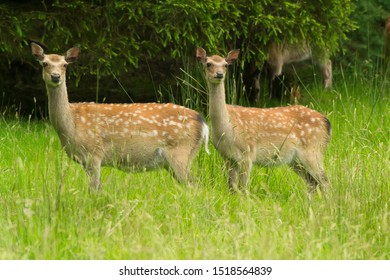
{"x":293,"y":135}
{"x":126,"y":136}
{"x":279,"y":55}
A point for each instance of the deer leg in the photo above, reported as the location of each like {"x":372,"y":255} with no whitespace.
{"x":304,"y":174}
{"x":178,"y":163}
{"x":256,"y":87}
{"x":251,"y":81}
{"x":239,"y":173}
{"x":274,"y":70}
{"x":313,"y":172}
{"x":271,"y":78}
{"x":92,"y":168}
{"x":232,"y":168}
{"x":327,"y":73}
{"x":245,"y":171}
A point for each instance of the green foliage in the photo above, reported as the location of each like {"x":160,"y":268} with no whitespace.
{"x":116,"y":35}
{"x":366,"y":44}
{"x":143,"y":44}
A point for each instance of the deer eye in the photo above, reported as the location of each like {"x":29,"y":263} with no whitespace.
{"x":208,"y":64}
{"x":44,"y":64}
{"x":226,"y":65}
{"x":65,"y":65}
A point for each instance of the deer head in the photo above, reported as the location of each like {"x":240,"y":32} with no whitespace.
{"x":216,"y":65}
{"x":53,"y":65}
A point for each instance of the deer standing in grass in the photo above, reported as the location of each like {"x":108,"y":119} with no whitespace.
{"x":293,"y":135}
{"x":284,"y":53}
{"x":280,"y":55}
{"x":126,"y":136}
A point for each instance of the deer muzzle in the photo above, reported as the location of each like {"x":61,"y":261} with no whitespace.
{"x":218,"y":75}
{"x":55,"y":78}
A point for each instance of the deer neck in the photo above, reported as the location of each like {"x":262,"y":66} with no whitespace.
{"x":59,"y":111}
{"x":218,"y":111}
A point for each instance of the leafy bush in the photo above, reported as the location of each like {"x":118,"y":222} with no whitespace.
{"x":132,"y":39}
{"x":118,"y":34}
{"x":366,"y":44}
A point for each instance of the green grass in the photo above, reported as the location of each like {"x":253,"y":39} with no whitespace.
{"x":46,"y":211}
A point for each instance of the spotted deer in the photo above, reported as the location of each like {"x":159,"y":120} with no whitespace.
{"x":284,"y":53}
{"x":293,"y":135}
{"x":126,"y":136}
{"x":279,"y":55}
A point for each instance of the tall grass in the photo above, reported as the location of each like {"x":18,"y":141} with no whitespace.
{"x":46,"y":211}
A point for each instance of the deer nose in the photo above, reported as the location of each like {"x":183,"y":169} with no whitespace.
{"x":55,"y":77}
{"x":219,"y":75}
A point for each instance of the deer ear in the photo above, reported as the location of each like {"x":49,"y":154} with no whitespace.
{"x":37,"y":51}
{"x":72,"y":54}
{"x":201,"y":55}
{"x":232,"y":56}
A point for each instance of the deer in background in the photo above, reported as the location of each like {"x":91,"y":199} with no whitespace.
{"x":283,"y":54}
{"x":293,"y":135}
{"x":126,"y":136}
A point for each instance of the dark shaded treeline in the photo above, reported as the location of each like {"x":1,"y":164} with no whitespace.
{"x":135,"y":48}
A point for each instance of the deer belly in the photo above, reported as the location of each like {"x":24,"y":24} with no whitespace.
{"x":134,"y":159}
{"x":272,"y":156}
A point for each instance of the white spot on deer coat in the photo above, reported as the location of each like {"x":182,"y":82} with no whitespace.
{"x":152,"y":133}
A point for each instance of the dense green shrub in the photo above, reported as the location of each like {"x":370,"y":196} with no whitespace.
{"x":118,"y":34}
{"x":366,"y":44}
{"x":134,"y":40}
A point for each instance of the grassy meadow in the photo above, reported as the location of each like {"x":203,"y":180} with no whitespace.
{"x":46,"y":211}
